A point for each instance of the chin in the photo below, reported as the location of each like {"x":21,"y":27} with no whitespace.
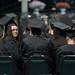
{"x":15,"y":36}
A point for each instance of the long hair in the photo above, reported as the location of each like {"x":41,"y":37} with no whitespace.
{"x":9,"y":31}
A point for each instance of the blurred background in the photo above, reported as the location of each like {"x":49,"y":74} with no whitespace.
{"x":7,"y":6}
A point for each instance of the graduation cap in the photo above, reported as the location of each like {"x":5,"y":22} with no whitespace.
{"x":70,"y":33}
{"x":61,"y":25}
{"x":4,"y":23}
{"x":36,"y":25}
{"x":11,"y":15}
{"x":66,"y":20}
{"x":6,"y":20}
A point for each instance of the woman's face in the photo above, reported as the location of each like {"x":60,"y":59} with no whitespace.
{"x":14,"y":30}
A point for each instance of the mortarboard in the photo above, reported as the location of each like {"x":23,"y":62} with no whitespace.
{"x":61,"y":25}
{"x":66,"y":20}
{"x":70,"y":33}
{"x":35,"y":23}
{"x":6,"y":20}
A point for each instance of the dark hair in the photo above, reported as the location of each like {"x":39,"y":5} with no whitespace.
{"x":36,"y":31}
{"x":9,"y":31}
{"x":70,"y":33}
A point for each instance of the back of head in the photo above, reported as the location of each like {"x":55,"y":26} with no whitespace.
{"x":36,"y":31}
{"x":36,"y":26}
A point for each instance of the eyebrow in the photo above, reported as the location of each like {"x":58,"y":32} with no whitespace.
{"x":14,"y":27}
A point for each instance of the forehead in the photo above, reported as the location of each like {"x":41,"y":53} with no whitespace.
{"x":14,"y":27}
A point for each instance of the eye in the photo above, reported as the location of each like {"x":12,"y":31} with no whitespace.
{"x":14,"y":29}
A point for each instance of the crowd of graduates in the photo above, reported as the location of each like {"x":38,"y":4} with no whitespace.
{"x":29,"y":36}
{"x":36,"y":35}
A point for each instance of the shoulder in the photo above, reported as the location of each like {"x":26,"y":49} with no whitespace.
{"x":67,"y":48}
{"x":7,"y":38}
{"x":8,"y":41}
